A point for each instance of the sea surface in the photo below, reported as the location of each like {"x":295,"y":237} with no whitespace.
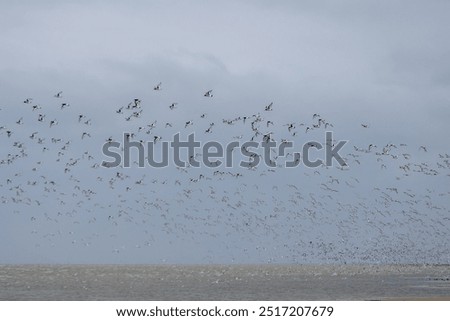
{"x":224,"y":282}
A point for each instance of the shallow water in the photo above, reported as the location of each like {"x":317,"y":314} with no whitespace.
{"x":223,"y":282}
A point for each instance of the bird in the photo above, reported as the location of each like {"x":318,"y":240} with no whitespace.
{"x":85,"y":134}
{"x":59,"y":95}
{"x":269,"y":107}
{"x":136,"y":103}
{"x":208,"y":94}
{"x":158,"y":86}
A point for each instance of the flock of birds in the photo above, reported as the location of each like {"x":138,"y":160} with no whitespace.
{"x":389,"y":202}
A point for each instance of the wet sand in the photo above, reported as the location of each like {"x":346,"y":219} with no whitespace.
{"x":224,"y":282}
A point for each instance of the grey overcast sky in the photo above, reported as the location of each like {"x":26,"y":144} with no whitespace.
{"x":382,"y":64}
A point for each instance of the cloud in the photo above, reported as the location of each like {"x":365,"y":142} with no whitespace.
{"x":378,"y":63}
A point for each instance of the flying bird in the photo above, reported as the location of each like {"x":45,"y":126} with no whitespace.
{"x":269,"y":107}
